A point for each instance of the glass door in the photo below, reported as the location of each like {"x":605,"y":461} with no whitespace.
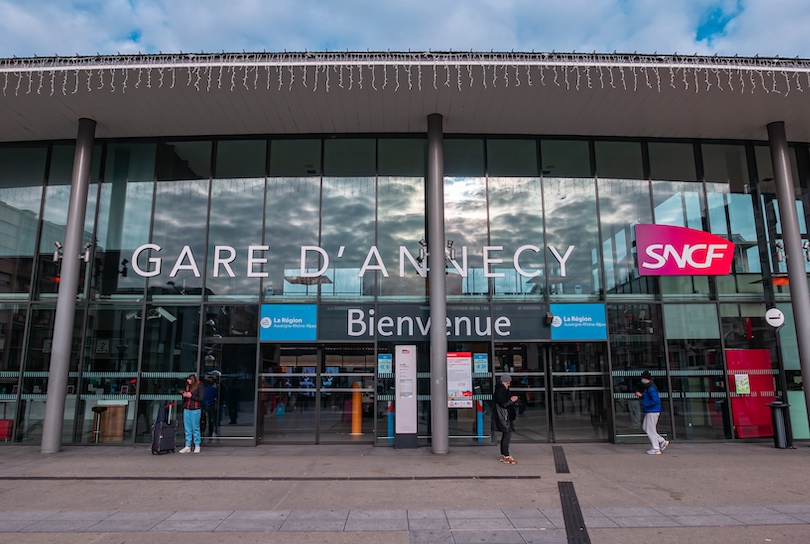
{"x":526,"y":364}
{"x":577,"y":382}
{"x":316,"y":394}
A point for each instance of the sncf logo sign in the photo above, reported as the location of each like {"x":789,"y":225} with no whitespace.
{"x":676,"y":251}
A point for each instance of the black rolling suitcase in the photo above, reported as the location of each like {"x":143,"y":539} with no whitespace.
{"x":164,"y":431}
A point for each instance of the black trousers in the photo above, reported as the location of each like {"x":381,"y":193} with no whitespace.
{"x":506,"y":438}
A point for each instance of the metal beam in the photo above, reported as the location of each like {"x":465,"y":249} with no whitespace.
{"x":792,"y":238}
{"x":439,"y":413}
{"x":68,"y":288}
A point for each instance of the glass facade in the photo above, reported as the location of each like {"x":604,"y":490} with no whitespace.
{"x":194,"y":244}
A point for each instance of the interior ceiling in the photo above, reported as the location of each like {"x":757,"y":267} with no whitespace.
{"x":537,"y":109}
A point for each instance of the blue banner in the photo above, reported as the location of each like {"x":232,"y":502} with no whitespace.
{"x":578,"y":322}
{"x":283,"y":322}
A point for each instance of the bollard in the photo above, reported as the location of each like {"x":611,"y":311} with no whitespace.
{"x":357,"y":410}
{"x":479,"y":409}
{"x":779,"y":413}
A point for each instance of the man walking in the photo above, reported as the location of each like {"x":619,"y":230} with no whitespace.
{"x":651,"y":408}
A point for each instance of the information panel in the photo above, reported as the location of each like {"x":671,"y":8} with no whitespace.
{"x":459,"y":380}
{"x":405,"y":396}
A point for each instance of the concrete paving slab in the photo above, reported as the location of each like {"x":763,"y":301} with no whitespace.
{"x":319,"y":515}
{"x":34,"y":515}
{"x":427,"y":514}
{"x":716,"y":520}
{"x":187,"y":525}
{"x":11,"y":526}
{"x":428,"y":523}
{"x":126,"y":526}
{"x":431,"y":537}
{"x":643,"y":521}
{"x":376,"y":524}
{"x":200,"y":515}
{"x":468,"y":514}
{"x":488,"y":537}
{"x":60,"y":526}
{"x":543,"y":537}
{"x":250,"y":525}
{"x":320,"y":524}
{"x":259,"y":515}
{"x":89,"y":515}
{"x":767,"y":519}
{"x":378,"y":514}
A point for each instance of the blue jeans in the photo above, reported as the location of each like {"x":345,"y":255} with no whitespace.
{"x":191,"y":424}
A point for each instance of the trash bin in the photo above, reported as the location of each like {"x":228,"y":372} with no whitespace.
{"x":781,"y":431}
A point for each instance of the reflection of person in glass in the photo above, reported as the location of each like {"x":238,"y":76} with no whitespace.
{"x":210,"y":405}
{"x":503,"y":416}
{"x":193,"y":398}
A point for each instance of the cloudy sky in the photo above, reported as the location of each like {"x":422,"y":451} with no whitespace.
{"x":87,"y":27}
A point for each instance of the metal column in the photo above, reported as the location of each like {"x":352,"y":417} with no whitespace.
{"x":799,"y":295}
{"x":68,"y":288}
{"x":439,"y":413}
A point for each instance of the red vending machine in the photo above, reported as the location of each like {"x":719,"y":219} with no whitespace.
{"x":751,"y":388}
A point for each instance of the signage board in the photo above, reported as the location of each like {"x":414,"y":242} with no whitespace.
{"x":578,"y":322}
{"x":288,"y":322}
{"x":459,"y":380}
{"x":775,"y":317}
{"x":665,"y":250}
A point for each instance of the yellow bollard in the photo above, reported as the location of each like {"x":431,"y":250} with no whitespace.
{"x":357,"y":410}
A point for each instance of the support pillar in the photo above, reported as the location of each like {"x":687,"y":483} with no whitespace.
{"x":439,"y":413}
{"x":797,"y":277}
{"x":68,"y":288}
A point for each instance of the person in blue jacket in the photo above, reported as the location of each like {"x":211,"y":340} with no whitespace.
{"x":651,"y":408}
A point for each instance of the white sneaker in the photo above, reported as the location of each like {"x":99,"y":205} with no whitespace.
{"x":196,"y":449}
{"x":185,"y":450}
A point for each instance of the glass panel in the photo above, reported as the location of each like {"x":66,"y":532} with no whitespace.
{"x":636,"y":344}
{"x":35,"y":376}
{"x":572,"y":230}
{"x":295,"y":158}
{"x":699,"y":397}
{"x":12,"y":329}
{"x":349,"y":157}
{"x":516,"y":225}
{"x":169,"y":354}
{"x":183,"y":160}
{"x":673,"y":161}
{"x":235,"y":226}
{"x":512,"y":158}
{"x":466,"y":232}
{"x":732,"y":214}
{"x":619,"y":160}
{"x":22,"y":174}
{"x":54,"y":215}
{"x":565,"y":158}
{"x":287,"y":393}
{"x":125,"y":211}
{"x":292,"y":213}
{"x":463,"y":158}
{"x":241,"y":158}
{"x":179,"y":230}
{"x":401,"y":216}
{"x":401,"y":224}
{"x":696,"y":371}
{"x":680,"y":204}
{"x":348,"y":236}
{"x":524,"y":362}
{"x":347,"y":394}
{"x":691,"y":321}
{"x":623,"y":204}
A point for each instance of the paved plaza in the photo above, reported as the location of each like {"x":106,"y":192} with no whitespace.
{"x":568,"y":493}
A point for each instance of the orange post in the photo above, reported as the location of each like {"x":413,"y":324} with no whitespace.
{"x":357,"y":410}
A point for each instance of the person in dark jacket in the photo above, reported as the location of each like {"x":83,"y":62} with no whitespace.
{"x":503,"y":416}
{"x":193,"y":398}
{"x":651,"y":408}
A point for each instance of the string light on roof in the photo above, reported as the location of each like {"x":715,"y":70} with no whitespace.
{"x":772,"y":76}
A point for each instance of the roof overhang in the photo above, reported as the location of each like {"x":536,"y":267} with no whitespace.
{"x":361,"y":93}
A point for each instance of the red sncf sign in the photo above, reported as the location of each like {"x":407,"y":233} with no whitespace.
{"x":664,"y":250}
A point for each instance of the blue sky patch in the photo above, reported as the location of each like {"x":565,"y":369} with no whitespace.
{"x":714,"y":23}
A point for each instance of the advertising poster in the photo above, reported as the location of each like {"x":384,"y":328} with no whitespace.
{"x":459,"y":380}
